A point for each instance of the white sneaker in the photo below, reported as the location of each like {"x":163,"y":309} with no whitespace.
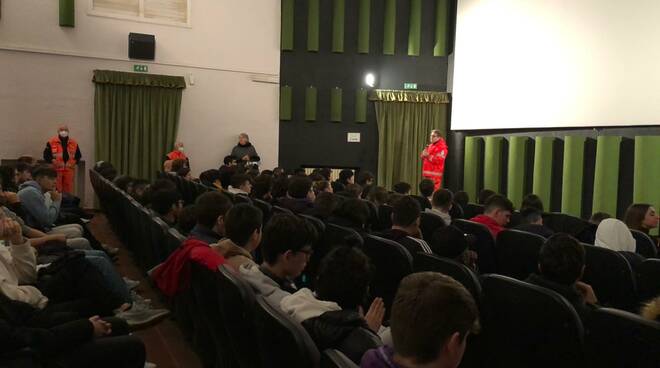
{"x":141,"y":314}
{"x":131,"y":284}
{"x":149,"y":365}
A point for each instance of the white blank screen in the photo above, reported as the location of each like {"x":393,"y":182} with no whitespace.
{"x":556,"y":63}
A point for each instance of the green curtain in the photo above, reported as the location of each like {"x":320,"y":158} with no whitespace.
{"x":403,"y":130}
{"x":136,"y":117}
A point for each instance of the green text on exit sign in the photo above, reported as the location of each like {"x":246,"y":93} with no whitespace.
{"x":140,"y":68}
{"x":410,"y":86}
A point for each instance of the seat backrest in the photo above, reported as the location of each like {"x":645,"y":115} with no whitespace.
{"x":648,"y":279}
{"x":384,"y":218}
{"x":331,"y":358}
{"x":373,"y":215}
{"x":622,"y":339}
{"x":333,"y":235}
{"x":472,"y":209}
{"x":283,"y":342}
{"x":563,"y":223}
{"x":237,"y":306}
{"x":484,"y":246}
{"x":157,"y":250}
{"x":429,"y":223}
{"x":515,"y":220}
{"x":265,"y":207}
{"x":430,"y":262}
{"x":526,"y":325}
{"x":645,"y":245}
{"x":424,"y":202}
{"x":518,"y":253}
{"x":278,"y":209}
{"x":611,"y":277}
{"x":242,"y":199}
{"x":392,"y":262}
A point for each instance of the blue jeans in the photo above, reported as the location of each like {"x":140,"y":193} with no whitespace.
{"x":114,"y":282}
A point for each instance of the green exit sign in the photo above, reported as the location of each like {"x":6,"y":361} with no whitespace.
{"x":140,"y":68}
{"x":410,"y":86}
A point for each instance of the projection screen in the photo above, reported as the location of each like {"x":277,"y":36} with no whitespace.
{"x":556,"y":64}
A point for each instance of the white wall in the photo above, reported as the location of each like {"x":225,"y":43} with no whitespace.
{"x":556,"y":63}
{"x":46,"y":71}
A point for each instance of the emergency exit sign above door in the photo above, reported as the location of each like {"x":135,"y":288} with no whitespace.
{"x":140,"y":68}
{"x":410,"y":86}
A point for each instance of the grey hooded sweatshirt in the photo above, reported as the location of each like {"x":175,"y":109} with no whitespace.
{"x":38,"y":214}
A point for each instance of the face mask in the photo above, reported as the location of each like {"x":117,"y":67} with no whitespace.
{"x":180,"y":149}
{"x":64,"y":134}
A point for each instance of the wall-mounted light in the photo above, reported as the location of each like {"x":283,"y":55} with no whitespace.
{"x":370,"y":80}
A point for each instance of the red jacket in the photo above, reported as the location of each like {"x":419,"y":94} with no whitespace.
{"x":176,"y":155}
{"x":433,"y":165}
{"x":173,"y":275}
{"x":493,"y":226}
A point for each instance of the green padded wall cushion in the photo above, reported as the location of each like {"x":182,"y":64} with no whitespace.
{"x":335,"y":104}
{"x":473,"y":157}
{"x":542,"y":177}
{"x":442,"y":22}
{"x":338,"y":10}
{"x":285,"y":102}
{"x":364,"y":22}
{"x":310,"y":103}
{"x":415,"y":27}
{"x":647,"y":172}
{"x":606,"y":176}
{"x":493,"y":163}
{"x":313,"y":9}
{"x":516,"y":171}
{"x":361,"y":105}
{"x":573,"y":172}
{"x":67,"y":13}
{"x":286,"y":38}
{"x":389,"y":27}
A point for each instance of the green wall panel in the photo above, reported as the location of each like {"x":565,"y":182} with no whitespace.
{"x":473,"y":157}
{"x":313,"y":9}
{"x":361,"y":105}
{"x":573,"y":172}
{"x":286,"y":37}
{"x":542,"y":177}
{"x":647,"y":171}
{"x":338,"y":11}
{"x":606,"y":176}
{"x":415,"y":27}
{"x":364,"y":22}
{"x":285,"y":102}
{"x":493,"y":163}
{"x":310,"y":103}
{"x":389,"y":28}
{"x":442,"y":28}
{"x":67,"y":13}
{"x":515,"y":183}
{"x":335,"y":104}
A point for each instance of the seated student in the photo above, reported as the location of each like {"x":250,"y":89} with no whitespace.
{"x":184,"y":172}
{"x":211,"y":178}
{"x":613,"y":234}
{"x":642,"y":217}
{"x":325,"y":204}
{"x":332,"y":316}
{"x":352,"y":213}
{"x":425,"y":189}
{"x":243,"y":234}
{"x":286,"y":248}
{"x":483,"y":196}
{"x":432,"y":316}
{"x":227,"y":170}
{"x":441,"y":202}
{"x":597,"y":217}
{"x":124,"y":182}
{"x":299,"y":196}
{"x":322,"y":186}
{"x":365,"y":178}
{"x":405,"y":226}
{"x":262,"y":189}
{"x":461,"y":198}
{"x":451,"y":242}
{"x":532,"y":201}
{"x":240,"y":184}
{"x":346,"y":176}
{"x":23,"y":172}
{"x":651,"y":310}
{"x":531,"y":220}
{"x":280,"y":186}
{"x":40,"y":213}
{"x":79,"y":342}
{"x":167,"y":204}
{"x":173,"y":275}
{"x":187,"y":219}
{"x":8,"y":177}
{"x":402,"y":188}
{"x":497,"y":213}
{"x":378,"y":196}
{"x":561,"y":265}
{"x":140,"y":191}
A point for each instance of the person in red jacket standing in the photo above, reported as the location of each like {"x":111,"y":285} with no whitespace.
{"x":433,"y":159}
{"x":63,"y":152}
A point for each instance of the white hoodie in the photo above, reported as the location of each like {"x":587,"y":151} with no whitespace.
{"x":18,"y":266}
{"x":303,"y":305}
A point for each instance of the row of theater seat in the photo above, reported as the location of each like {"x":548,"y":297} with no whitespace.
{"x":523,"y":325}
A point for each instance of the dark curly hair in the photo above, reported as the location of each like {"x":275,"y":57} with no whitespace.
{"x":344,"y":277}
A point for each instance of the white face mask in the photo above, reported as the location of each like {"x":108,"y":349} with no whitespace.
{"x":64,"y":134}
{"x":181,"y":149}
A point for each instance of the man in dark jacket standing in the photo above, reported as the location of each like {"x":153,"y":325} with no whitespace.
{"x":244,"y":150}
{"x":63,"y":152}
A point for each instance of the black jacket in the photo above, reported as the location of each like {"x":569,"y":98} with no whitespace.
{"x":571,"y":293}
{"x":344,"y":330}
{"x":296,"y":205}
{"x":541,"y":230}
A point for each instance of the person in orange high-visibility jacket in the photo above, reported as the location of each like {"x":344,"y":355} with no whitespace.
{"x":63,"y":152}
{"x":433,"y":159}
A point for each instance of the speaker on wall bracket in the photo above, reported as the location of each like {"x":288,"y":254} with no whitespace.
{"x":141,"y":46}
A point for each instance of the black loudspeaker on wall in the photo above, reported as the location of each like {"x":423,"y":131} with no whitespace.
{"x":141,"y":46}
